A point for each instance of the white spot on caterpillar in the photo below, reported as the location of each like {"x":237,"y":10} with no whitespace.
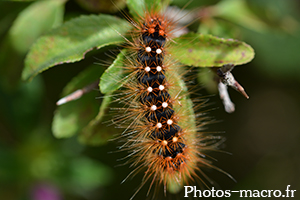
{"x":158,"y":68}
{"x":158,"y":125}
{"x":148,"y":49}
{"x":149,"y":89}
{"x":153,"y":107}
{"x":169,"y":122}
{"x":147,"y":69}
{"x":175,"y":139}
{"x":161,"y":87}
{"x":158,"y":51}
{"x":164,"y":104}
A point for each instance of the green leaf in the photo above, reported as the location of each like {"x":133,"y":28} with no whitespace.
{"x":155,"y":5}
{"x":185,"y":108}
{"x":71,"y":41}
{"x":71,"y":117}
{"x":208,"y":51}
{"x":34,"y":20}
{"x":102,"y":6}
{"x":97,"y":133}
{"x":193,"y":4}
{"x":114,"y":77}
{"x":137,"y":8}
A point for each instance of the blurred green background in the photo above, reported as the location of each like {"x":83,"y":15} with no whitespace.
{"x":263,"y":134}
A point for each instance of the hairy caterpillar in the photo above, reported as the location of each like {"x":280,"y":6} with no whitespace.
{"x":162,"y":132}
{"x":162,"y":135}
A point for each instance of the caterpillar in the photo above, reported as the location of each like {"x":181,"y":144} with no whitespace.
{"x":163,"y":131}
{"x":162,"y":136}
